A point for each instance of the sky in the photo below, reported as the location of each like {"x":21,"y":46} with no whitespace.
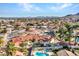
{"x":37,"y":9}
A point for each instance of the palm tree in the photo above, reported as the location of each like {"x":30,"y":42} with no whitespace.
{"x":68,"y":31}
{"x":11,"y":49}
{"x":24,"y":50}
{"x":60,"y":33}
{"x":65,"y":32}
{"x":1,"y":41}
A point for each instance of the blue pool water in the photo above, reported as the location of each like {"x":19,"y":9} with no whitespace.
{"x":41,"y":54}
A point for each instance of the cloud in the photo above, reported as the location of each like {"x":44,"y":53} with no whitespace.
{"x":61,"y":7}
{"x":65,"y":6}
{"x":29,"y":7}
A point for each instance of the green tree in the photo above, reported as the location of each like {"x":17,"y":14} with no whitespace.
{"x":23,"y":44}
{"x":24,"y":50}
{"x":11,"y":49}
{"x":69,"y":31}
{"x":65,"y":32}
{"x":1,"y":41}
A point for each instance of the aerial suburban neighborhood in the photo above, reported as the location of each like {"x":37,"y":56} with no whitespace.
{"x":40,"y":36}
{"x":39,"y":29}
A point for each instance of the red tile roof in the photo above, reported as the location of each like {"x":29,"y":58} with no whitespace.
{"x":19,"y":39}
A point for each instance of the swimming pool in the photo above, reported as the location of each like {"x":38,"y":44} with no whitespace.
{"x":41,"y":54}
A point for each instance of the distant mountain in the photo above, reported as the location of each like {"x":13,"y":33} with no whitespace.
{"x":70,"y":17}
{"x":77,"y":14}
